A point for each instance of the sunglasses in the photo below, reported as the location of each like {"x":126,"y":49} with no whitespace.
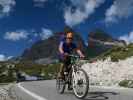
{"x":70,"y":38}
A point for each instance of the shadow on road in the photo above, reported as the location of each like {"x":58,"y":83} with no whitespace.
{"x":99,"y":95}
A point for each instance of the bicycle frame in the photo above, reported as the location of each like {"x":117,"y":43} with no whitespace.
{"x":75,"y":77}
{"x":74,"y":66}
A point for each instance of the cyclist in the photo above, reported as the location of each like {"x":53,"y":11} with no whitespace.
{"x":65,"y":48}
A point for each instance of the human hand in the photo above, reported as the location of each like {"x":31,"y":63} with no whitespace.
{"x":82,"y":56}
{"x":66,"y":54}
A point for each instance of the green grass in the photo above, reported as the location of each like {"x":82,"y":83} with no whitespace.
{"x":50,"y":71}
{"x":126,"y":83}
{"x":117,"y":53}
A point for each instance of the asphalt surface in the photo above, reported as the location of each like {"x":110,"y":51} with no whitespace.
{"x":47,"y":91}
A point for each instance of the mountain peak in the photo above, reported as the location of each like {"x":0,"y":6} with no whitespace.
{"x":48,"y":48}
{"x":100,"y":35}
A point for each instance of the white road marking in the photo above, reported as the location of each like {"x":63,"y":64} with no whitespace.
{"x":30,"y":93}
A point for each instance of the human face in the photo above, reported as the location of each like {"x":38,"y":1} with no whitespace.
{"x":69,"y":40}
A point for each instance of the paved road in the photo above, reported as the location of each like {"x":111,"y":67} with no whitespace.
{"x":46,"y":90}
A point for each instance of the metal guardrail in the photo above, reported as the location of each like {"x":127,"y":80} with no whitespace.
{"x":7,"y":93}
{"x":13,"y":95}
{"x":4,"y":94}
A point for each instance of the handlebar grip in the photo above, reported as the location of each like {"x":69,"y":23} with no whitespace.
{"x":74,"y":56}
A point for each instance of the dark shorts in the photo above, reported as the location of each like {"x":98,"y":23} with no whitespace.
{"x":66,"y":62}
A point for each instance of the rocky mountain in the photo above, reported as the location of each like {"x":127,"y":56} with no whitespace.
{"x":43,"y":48}
{"x":100,"y":41}
{"x":47,"y":50}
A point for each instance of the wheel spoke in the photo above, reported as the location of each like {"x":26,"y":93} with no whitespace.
{"x":80,"y":83}
{"x":60,"y":85}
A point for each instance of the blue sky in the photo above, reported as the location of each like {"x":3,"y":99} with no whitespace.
{"x":22,"y":22}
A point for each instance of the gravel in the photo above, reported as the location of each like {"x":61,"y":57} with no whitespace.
{"x":108,"y":73}
{"x":6,"y":92}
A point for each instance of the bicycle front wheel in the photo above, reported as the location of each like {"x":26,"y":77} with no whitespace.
{"x":80,"y":82}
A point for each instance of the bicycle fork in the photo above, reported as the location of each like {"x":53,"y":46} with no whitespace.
{"x":74,"y":76}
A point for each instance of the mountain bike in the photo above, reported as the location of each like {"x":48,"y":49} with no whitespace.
{"x":77,"y":78}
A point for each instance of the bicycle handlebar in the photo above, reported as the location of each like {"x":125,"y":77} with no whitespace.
{"x":75,"y":56}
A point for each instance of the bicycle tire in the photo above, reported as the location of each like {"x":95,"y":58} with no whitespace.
{"x":60,"y":85}
{"x":87,"y":86}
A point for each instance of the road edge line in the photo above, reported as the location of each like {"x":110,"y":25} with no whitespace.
{"x":34,"y":95}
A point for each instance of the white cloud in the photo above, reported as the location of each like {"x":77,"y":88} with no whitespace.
{"x":46,"y":33}
{"x":9,"y":57}
{"x":28,"y":35}
{"x":17,"y":35}
{"x":4,"y":58}
{"x":118,"y":10}
{"x":83,"y":9}
{"x":127,"y":37}
{"x":39,"y":3}
{"x":6,"y":7}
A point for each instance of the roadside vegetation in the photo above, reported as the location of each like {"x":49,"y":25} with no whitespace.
{"x":118,"y":53}
{"x":49,"y":71}
{"x":8,"y":71}
{"x":126,"y":83}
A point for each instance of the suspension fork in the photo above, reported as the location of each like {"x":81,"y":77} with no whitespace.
{"x":74,"y":73}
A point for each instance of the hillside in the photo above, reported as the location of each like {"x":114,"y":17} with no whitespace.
{"x":49,"y":71}
{"x":118,"y":53}
{"x":99,"y":34}
{"x":41,"y":49}
{"x":47,"y":50}
{"x":99,"y":42}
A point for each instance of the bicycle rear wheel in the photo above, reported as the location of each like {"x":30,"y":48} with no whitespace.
{"x":60,"y":85}
{"x":80,"y":82}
